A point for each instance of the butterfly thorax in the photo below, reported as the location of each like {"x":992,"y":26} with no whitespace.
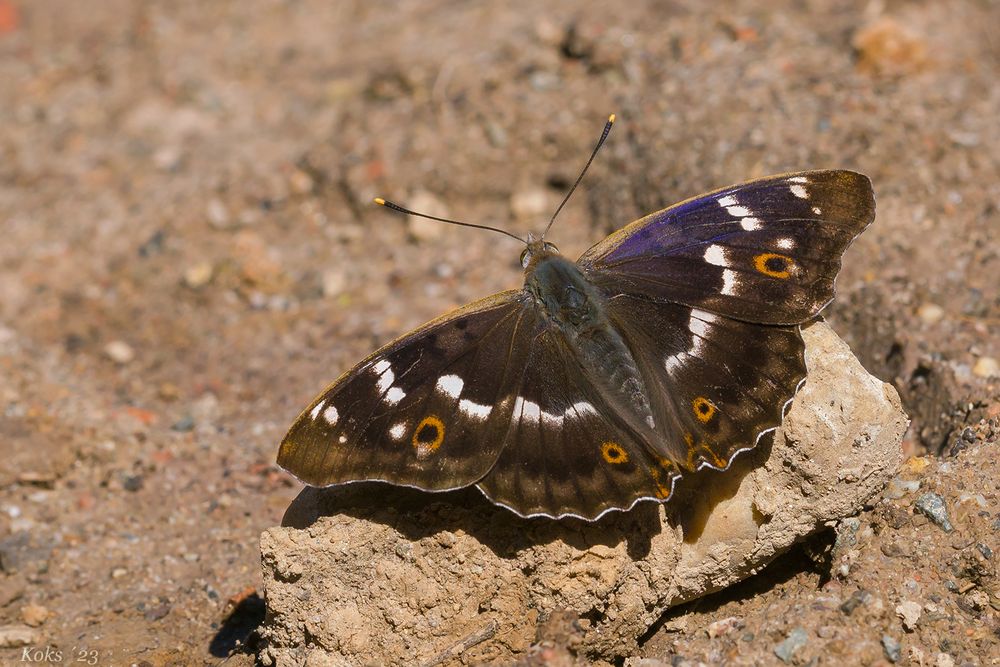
{"x":576,"y":308}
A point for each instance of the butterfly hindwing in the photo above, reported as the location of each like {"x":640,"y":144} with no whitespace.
{"x":567,"y":452}
{"x":716,"y":383}
{"x":765,"y":251}
{"x":426,"y":410}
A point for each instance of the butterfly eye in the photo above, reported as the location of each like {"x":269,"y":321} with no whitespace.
{"x":551,"y":247}
{"x":524,"y":258}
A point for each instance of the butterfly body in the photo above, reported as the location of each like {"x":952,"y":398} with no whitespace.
{"x":670,"y":346}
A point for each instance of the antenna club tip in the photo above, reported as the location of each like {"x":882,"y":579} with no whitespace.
{"x":611,"y":118}
{"x":379,"y":201}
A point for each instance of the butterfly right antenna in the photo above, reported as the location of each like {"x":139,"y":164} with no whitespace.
{"x":604,"y":135}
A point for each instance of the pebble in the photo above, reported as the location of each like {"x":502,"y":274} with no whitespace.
{"x":796,"y":639}
{"x":986,"y":367}
{"x":34,"y":614}
{"x":932,"y":506}
{"x":893,"y":651}
{"x":423,"y":229}
{"x":199,"y":275}
{"x":119,"y":352}
{"x":897,"y":488}
{"x":334,"y":282}
{"x":725,"y":626}
{"x":217,"y":214}
{"x":16,"y":636}
{"x":944,"y":660}
{"x":931,"y":313}
{"x":909,"y":612}
{"x":530,"y":204}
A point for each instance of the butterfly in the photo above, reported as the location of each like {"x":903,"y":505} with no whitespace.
{"x":670,"y":346}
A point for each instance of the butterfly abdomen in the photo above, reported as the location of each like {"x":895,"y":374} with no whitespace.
{"x":577,"y":308}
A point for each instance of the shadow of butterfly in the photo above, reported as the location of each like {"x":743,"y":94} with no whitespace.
{"x":670,"y":346}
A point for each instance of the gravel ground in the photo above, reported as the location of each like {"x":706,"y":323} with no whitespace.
{"x":189,"y":255}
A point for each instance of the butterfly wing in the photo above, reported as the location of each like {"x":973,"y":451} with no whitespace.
{"x":427,"y":410}
{"x":765,"y":251}
{"x":715,"y":384}
{"x":568,"y":452}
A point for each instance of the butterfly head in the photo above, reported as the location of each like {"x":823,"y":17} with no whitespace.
{"x":537,"y":249}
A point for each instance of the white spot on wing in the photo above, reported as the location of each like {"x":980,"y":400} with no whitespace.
{"x":716,"y":254}
{"x":729,"y":282}
{"x":381,"y":366}
{"x":738,"y":211}
{"x":474,"y":410}
{"x":817,"y":210}
{"x":698,"y":325}
{"x":331,"y":415}
{"x":398,"y":431}
{"x":799,"y":191}
{"x":385,"y":381}
{"x":798,"y":179}
{"x":785,"y":243}
{"x":450,"y":385}
{"x":316,"y":410}
{"x":673,"y":362}
{"x":750,"y":224}
{"x":529,"y":410}
{"x":395,"y":395}
{"x":728,"y":200}
{"x":342,"y":439}
{"x":583,"y":407}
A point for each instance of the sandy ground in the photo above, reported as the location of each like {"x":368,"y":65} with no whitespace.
{"x":188,"y":253}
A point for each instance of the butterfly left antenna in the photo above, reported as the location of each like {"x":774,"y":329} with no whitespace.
{"x":600,"y":142}
{"x":400,"y":209}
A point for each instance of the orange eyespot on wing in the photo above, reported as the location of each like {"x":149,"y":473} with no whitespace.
{"x":704,"y":409}
{"x":774,"y":265}
{"x":428,"y":435}
{"x":614,"y":453}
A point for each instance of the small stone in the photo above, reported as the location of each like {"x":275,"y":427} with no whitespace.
{"x":199,"y":275}
{"x":944,"y":660}
{"x":133,"y":483}
{"x":217,"y":214}
{"x":334,"y":282}
{"x":34,"y":614}
{"x":118,"y":572}
{"x":931,"y":313}
{"x":909,"y":612}
{"x":725,"y":626}
{"x":796,"y":639}
{"x":119,"y":352}
{"x":423,"y":229}
{"x":529,"y":204}
{"x":857,"y":599}
{"x":16,"y":636}
{"x":183,"y":425}
{"x":300,"y":182}
{"x":157,"y":612}
{"x":986,"y":367}
{"x":893,"y":651}
{"x":932,"y":506}
{"x":886,"y":47}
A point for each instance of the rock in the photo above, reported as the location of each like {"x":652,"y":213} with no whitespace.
{"x":885,"y":47}
{"x":16,"y":636}
{"x":423,"y":229}
{"x":932,"y":506}
{"x":909,"y":612}
{"x":986,"y":367}
{"x":198,"y":275}
{"x":931,"y":313}
{"x":796,"y":639}
{"x":119,"y":352}
{"x":34,"y":614}
{"x":362,"y":573}
{"x":893,"y":651}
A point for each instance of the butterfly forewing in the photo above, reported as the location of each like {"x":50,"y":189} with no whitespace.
{"x":766,"y":251}
{"x":427,"y":410}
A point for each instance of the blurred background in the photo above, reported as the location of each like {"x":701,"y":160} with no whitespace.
{"x":188,"y":252}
